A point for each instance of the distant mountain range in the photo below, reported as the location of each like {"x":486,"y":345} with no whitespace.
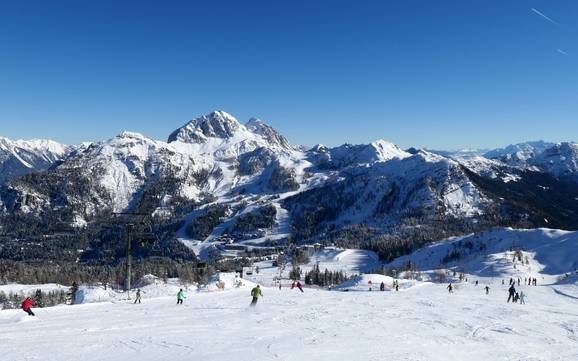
{"x":218,"y":188}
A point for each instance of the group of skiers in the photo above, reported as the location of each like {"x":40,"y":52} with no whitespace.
{"x":527,"y":281}
{"x":513,"y":295}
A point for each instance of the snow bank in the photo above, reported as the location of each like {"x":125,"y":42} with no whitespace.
{"x":361,"y":283}
{"x":228,"y":280}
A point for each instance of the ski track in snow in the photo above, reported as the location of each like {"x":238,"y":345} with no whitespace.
{"x":422,"y":323}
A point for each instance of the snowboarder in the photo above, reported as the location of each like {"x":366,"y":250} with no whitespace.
{"x":256,"y":293}
{"x":522,"y":298}
{"x":511,"y":293}
{"x":137,"y":299}
{"x":382,"y":286}
{"x":450,"y":288}
{"x":487,"y":288}
{"x":180,"y":297}
{"x":26,"y":306}
{"x":298,"y":285}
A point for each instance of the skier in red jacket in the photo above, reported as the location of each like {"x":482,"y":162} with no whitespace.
{"x":26,"y":306}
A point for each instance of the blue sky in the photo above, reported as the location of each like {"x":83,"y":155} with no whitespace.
{"x":438,"y":74}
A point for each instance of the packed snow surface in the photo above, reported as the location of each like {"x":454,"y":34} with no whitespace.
{"x":417,"y":323}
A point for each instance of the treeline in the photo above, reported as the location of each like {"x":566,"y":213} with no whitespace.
{"x":41,"y":298}
{"x":113,"y":275}
{"x":324,"y":279}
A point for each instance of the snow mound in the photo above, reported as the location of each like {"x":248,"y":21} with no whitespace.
{"x":228,"y":280}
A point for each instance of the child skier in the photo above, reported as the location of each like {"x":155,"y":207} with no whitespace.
{"x":522,"y":298}
{"x":137,"y":299}
{"x":180,"y":297}
{"x":299,"y":286}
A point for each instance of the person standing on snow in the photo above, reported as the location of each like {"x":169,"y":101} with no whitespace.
{"x":450,"y":288}
{"x":511,"y":293}
{"x":137,"y":299}
{"x":256,"y":293}
{"x":382,"y":286}
{"x":26,"y":306}
{"x":487,"y":288}
{"x":370,"y":285}
{"x":180,"y":297}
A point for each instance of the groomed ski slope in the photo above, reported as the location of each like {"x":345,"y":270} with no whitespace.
{"x":417,"y":323}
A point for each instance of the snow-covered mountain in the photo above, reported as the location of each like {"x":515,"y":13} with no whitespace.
{"x":217,"y":181}
{"x":20,"y":157}
{"x":560,"y":160}
{"x":519,"y":154}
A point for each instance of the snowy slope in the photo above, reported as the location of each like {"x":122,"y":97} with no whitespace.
{"x":546,"y":254}
{"x":420,"y":324}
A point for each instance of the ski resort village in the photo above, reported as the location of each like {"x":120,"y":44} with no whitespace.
{"x":293,"y":181}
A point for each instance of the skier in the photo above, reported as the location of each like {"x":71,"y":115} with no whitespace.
{"x":26,"y":306}
{"x":450,"y":288}
{"x":298,"y":285}
{"x":476,"y":282}
{"x":522,"y":298}
{"x":137,"y":299}
{"x":518,"y":281}
{"x":180,"y":297}
{"x":370,"y":285}
{"x":396,"y":286}
{"x":487,"y":288}
{"x":511,"y":293}
{"x":293,"y":285}
{"x":256,"y":293}
{"x":382,"y":286}
{"x":502,"y":281}
{"x":516,"y":297}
